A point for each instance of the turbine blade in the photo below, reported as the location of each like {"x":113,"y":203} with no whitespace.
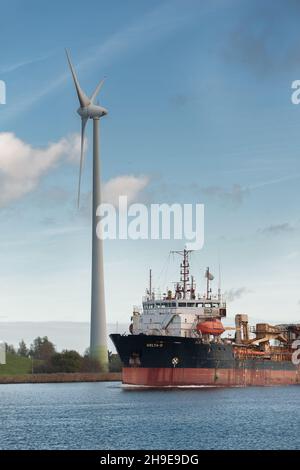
{"x":97,"y":89}
{"x":83,"y":124}
{"x":83,"y":99}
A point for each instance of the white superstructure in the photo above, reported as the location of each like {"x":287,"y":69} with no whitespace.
{"x":179,"y":312}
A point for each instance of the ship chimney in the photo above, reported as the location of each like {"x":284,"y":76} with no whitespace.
{"x":241,"y":328}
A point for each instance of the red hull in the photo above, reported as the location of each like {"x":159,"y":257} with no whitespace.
{"x":166,"y":377}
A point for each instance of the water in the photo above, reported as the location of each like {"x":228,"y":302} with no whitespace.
{"x":103,"y":416}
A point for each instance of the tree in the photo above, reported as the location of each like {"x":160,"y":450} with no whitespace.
{"x":23,"y":350}
{"x":10,"y":348}
{"x":42,"y":348}
{"x":66,"y":361}
{"x":90,"y":364}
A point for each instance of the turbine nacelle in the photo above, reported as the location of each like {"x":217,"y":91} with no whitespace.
{"x":92,"y":111}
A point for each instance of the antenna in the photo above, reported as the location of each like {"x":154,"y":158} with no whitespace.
{"x":209,"y":277}
{"x":150,"y":283}
{"x":219,"y":283}
{"x":207,"y":283}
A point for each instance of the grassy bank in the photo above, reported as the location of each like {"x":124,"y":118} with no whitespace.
{"x":19,"y":370}
{"x":16,"y":365}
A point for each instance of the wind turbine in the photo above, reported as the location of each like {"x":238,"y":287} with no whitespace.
{"x":89,"y":110}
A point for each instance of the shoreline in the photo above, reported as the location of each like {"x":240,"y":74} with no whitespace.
{"x":61,"y":378}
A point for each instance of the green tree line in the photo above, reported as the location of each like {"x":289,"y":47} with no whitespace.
{"x":47,"y":360}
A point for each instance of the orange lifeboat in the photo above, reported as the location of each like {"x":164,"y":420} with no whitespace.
{"x":211,"y":327}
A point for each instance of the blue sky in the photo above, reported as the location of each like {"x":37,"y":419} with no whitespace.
{"x":199,"y":100}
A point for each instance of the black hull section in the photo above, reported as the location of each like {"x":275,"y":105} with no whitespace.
{"x":168,"y":352}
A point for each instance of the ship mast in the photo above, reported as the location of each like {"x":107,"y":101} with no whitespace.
{"x":184,"y":272}
{"x":149,"y":290}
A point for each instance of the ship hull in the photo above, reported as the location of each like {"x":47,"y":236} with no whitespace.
{"x":159,"y":361}
{"x":186,"y":377}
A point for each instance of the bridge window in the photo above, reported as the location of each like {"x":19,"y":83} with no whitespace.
{"x":182,"y":304}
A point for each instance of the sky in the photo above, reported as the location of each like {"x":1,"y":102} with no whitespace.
{"x":200,"y":111}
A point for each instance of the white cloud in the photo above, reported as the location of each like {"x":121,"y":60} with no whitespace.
{"x":21,"y":63}
{"x":124,"y":185}
{"x":278,"y":229}
{"x":22,"y":166}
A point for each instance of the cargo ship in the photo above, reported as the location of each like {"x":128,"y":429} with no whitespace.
{"x":178,"y":339}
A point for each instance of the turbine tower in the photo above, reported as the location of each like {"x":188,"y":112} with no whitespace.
{"x":89,"y":110}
